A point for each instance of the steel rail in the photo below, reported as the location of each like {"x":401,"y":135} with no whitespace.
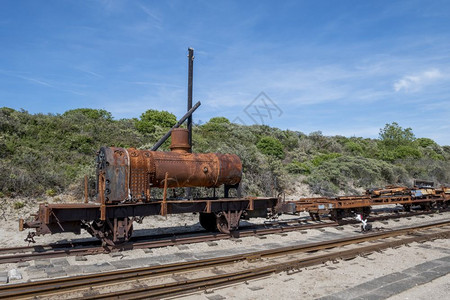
{"x":53,"y":286}
{"x":170,"y":241}
{"x":192,"y":285}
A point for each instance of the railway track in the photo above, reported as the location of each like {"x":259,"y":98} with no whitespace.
{"x":92,"y":247}
{"x":49,"y":251}
{"x":145,"y":282}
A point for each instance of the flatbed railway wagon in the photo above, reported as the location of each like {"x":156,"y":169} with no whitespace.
{"x":125,"y":179}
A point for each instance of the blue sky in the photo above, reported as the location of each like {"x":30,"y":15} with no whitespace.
{"x":342,"y":67}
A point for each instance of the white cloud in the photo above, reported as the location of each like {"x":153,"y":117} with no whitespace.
{"x":413,"y":83}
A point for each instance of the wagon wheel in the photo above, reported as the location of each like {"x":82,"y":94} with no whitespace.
{"x":407,"y":207}
{"x":208,"y":221}
{"x":425,"y":206}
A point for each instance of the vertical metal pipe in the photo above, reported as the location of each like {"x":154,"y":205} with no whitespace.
{"x":164,"y":202}
{"x":101,"y":190}
{"x":190,"y":81}
{"x":189,"y":106}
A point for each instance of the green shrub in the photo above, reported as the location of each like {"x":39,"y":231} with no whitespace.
{"x":347,"y":171}
{"x":90,"y":113}
{"x":425,"y":142}
{"x":219,"y":120}
{"x":399,"y":152}
{"x":354,"y":147}
{"x":217,"y":128}
{"x":321,"y":158}
{"x":407,"y":151}
{"x":271,"y":146}
{"x":296,"y":167}
{"x":153,"y":118}
{"x":51,"y":192}
{"x":18,"y":205}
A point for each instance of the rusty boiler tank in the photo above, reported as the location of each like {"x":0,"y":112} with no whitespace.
{"x":130,"y":174}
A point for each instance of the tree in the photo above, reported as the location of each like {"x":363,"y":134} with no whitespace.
{"x":152,"y":118}
{"x":393,"y":135}
{"x":397,"y":142}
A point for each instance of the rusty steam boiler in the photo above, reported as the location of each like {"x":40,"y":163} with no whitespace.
{"x":128,"y":175}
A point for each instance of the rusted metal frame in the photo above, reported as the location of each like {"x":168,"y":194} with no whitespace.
{"x":47,"y":213}
{"x":121,"y":229}
{"x":57,"y":220}
{"x":86,"y":199}
{"x":251,"y":203}
{"x":314,"y":204}
{"x":69,"y":215}
{"x":164,"y":202}
{"x":130,"y":223}
{"x":101,"y":191}
{"x":115,"y":230}
{"x":113,"y":227}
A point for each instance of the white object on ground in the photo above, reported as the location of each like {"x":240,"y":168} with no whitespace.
{"x":14,"y":274}
{"x":364,"y":226}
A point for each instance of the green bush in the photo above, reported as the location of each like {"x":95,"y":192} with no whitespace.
{"x":354,"y":147}
{"x":296,"y":167}
{"x":18,"y":205}
{"x":347,"y":171}
{"x":271,"y":146}
{"x":51,"y":192}
{"x":321,"y":158}
{"x":402,"y":151}
{"x":219,"y":120}
{"x":153,"y":118}
{"x":425,"y":142}
{"x":94,"y":114}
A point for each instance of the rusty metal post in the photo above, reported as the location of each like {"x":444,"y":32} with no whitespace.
{"x":190,"y":84}
{"x":164,"y":203}
{"x":86,"y":200}
{"x":21,"y":221}
{"x":101,"y":190}
{"x":189,"y":106}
